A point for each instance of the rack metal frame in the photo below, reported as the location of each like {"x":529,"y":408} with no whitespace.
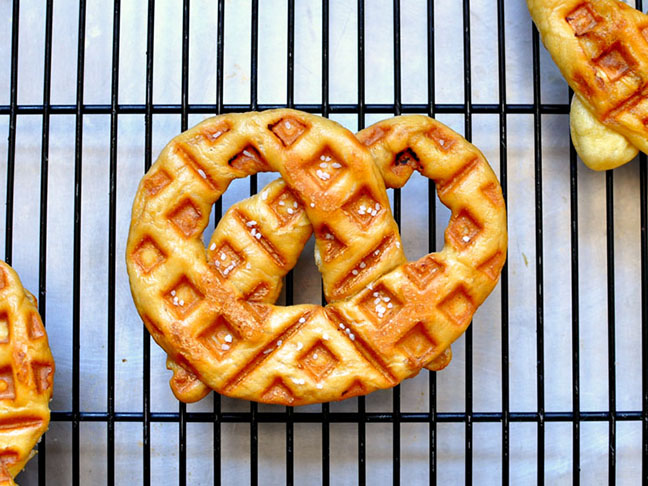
{"x":325,"y":417}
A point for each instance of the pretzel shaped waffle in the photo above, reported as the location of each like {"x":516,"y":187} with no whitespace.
{"x":387,"y":318}
{"x":26,"y":376}
{"x":601,"y":48}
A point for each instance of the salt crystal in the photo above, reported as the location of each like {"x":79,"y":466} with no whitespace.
{"x":223,"y":256}
{"x":181,"y":302}
{"x":217,"y":263}
{"x":314,"y":355}
{"x":362,"y":264}
{"x":398,"y":244}
{"x":352,"y":337}
{"x":299,"y":346}
{"x":225,"y":347}
{"x":354,"y":272}
{"x":466,"y":238}
{"x":295,"y":204}
{"x":258,"y":236}
{"x":312,"y":205}
{"x":341,"y":326}
{"x":336,"y":165}
{"x":323,"y":165}
{"x":228,"y":338}
{"x":202,"y":173}
{"x":173,"y":292}
{"x":281,"y":203}
{"x":212,"y":247}
{"x":279,"y":343}
{"x":248,"y":154}
{"x":248,"y":266}
{"x":325,"y":336}
{"x":390,"y":305}
{"x":302,"y":320}
{"x":377,"y":252}
{"x":251,"y":223}
{"x":290,"y":211}
{"x":268,"y":351}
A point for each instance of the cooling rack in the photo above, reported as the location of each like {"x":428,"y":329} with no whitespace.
{"x":548,"y":385}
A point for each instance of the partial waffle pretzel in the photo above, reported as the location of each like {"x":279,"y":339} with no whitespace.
{"x":26,"y":376}
{"x":601,"y":48}
{"x":398,"y":316}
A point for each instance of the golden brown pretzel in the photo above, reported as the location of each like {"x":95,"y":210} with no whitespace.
{"x":399,"y":317}
{"x":26,"y":376}
{"x":601,"y":48}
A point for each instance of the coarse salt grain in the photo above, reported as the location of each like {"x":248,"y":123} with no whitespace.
{"x":302,"y":320}
{"x":290,"y":211}
{"x":390,"y":305}
{"x":214,"y":136}
{"x":173,"y":292}
{"x":217,"y":263}
{"x":279,"y":343}
{"x":312,"y":205}
{"x":251,"y":223}
{"x":314,"y":355}
{"x":323,"y":165}
{"x":352,"y":337}
{"x":268,"y":351}
{"x":341,"y":326}
{"x":336,"y":165}
{"x":228,"y":338}
{"x":281,"y":203}
{"x":362,"y":265}
{"x":225,"y":347}
{"x":202,"y":173}
{"x":377,"y":252}
{"x":248,"y":266}
{"x":212,"y":246}
{"x":398,"y":244}
{"x":248,"y":154}
{"x":181,"y":302}
{"x":299,"y":346}
{"x":325,"y":337}
{"x":223,"y":256}
{"x":354,"y":272}
{"x":466,"y":238}
{"x":258,"y":236}
{"x":253,"y":232}
{"x":295,"y":204}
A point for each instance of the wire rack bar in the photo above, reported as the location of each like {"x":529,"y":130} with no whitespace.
{"x":75,"y":417}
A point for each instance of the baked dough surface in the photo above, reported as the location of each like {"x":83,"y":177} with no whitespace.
{"x":211,"y":308}
{"x":26,"y":376}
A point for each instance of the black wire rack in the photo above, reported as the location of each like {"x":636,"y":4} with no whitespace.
{"x":288,"y":417}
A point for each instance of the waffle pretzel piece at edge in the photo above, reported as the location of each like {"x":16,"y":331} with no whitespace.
{"x":601,"y":48}
{"x":394,"y":316}
{"x":26,"y":376}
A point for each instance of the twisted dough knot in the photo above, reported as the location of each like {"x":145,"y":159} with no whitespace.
{"x":26,"y":376}
{"x":211,"y":309}
{"x":601,"y":48}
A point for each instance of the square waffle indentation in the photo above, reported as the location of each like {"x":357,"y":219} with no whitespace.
{"x":220,"y":337}
{"x":226,"y":259}
{"x":154,"y":183}
{"x":443,"y":139}
{"x":417,"y":343}
{"x":325,"y":169}
{"x":35,"y":328}
{"x":186,"y":217}
{"x":329,"y":245}
{"x":288,"y":130}
{"x":183,"y":297}
{"x":148,"y":255}
{"x":458,"y":306}
{"x":285,"y":207}
{"x":362,"y":207}
{"x":463,"y":229}
{"x":616,"y":62}
{"x":381,"y":305}
{"x":7,"y":389}
{"x":42,"y":376}
{"x":4,"y":328}
{"x":278,"y":392}
{"x":248,"y":160}
{"x":319,"y":361}
{"x":423,"y":271}
{"x":582,"y":19}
